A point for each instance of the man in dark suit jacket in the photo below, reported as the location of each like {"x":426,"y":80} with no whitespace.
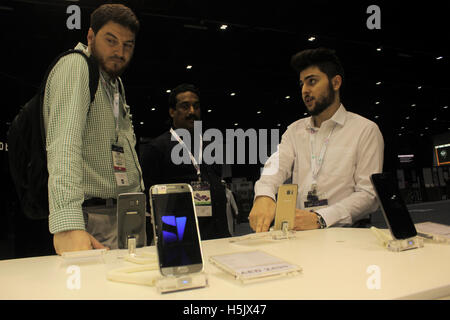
{"x":158,"y":166}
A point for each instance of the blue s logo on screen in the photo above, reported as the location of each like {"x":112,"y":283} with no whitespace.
{"x":176,"y":225}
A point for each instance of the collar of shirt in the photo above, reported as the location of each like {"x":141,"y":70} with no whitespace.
{"x":83,"y":47}
{"x":339,"y":117}
{"x":110,"y":81}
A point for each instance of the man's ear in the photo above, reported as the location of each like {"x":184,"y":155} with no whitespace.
{"x":90,"y":37}
{"x":336,"y":82}
{"x":171,"y":112}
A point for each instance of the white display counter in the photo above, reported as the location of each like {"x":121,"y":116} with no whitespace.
{"x":337,"y":263}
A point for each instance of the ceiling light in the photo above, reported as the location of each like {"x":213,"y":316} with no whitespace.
{"x":287,"y":97}
{"x":236,"y":124}
{"x":439,"y":58}
{"x":419,"y":87}
{"x":434,"y":119}
{"x":209,"y":110}
{"x":378,"y":102}
{"x":278,"y":124}
{"x":168,"y":91}
{"x":223,"y":27}
{"x":407,"y":118}
{"x":258,"y":112}
{"x":232,"y":94}
{"x":188,"y":67}
{"x":153,"y":109}
{"x":379,"y":49}
{"x":445,"y":107}
{"x":426,"y":128}
{"x":141,"y":122}
{"x":376,"y":117}
{"x":305,"y":114}
{"x":413,"y":105}
{"x":378,"y":83}
{"x":311,"y":39}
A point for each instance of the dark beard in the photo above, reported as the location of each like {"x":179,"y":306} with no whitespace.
{"x":325,"y":103}
{"x":101,"y":62}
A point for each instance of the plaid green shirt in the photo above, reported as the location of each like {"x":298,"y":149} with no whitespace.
{"x":79,"y":143}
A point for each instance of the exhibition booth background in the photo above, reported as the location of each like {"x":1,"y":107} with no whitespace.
{"x":397,"y":76}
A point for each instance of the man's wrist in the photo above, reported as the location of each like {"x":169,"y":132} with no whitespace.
{"x":320,"y":221}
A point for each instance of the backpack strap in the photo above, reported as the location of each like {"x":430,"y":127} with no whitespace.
{"x":94,"y":77}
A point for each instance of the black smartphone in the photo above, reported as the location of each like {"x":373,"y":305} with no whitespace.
{"x":394,"y":209}
{"x":175,"y":226}
{"x":131,"y":219}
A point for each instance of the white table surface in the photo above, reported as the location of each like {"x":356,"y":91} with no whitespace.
{"x":334,"y":262}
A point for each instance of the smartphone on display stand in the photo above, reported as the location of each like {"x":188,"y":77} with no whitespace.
{"x":394,"y":209}
{"x":175,"y":227}
{"x":286,"y":204}
{"x":131,"y":219}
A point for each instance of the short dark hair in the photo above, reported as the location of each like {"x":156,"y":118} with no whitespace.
{"x":323,"y":58}
{"x":117,"y":13}
{"x":184,"y":87}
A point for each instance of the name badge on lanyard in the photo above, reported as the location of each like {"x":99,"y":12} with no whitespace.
{"x":119,"y":165}
{"x":118,"y":154}
{"x":202,"y":198}
{"x":315,"y":200}
{"x":201,"y":189}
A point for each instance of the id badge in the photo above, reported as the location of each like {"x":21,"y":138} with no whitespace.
{"x":121,"y":179}
{"x":315,"y":201}
{"x":119,"y":166}
{"x":202,"y":198}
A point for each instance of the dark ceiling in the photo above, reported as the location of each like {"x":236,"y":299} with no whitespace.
{"x":404,"y":87}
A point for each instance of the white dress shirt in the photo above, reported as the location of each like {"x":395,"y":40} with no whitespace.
{"x":354,"y":152}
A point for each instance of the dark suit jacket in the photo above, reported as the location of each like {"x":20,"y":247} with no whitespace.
{"x":158,"y":168}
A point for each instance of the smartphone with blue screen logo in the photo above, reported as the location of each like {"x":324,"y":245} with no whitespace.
{"x":175,"y":227}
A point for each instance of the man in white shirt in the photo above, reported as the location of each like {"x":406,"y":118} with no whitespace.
{"x":330,"y":155}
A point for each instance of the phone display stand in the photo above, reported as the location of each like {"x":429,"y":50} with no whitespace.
{"x":84,"y":257}
{"x":405,"y":244}
{"x":136,"y":274}
{"x":394,"y":244}
{"x":141,"y":258}
{"x":167,"y":284}
{"x":284,"y":233}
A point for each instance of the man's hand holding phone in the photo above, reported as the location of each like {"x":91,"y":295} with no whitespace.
{"x":262,"y":214}
{"x":75,"y":240}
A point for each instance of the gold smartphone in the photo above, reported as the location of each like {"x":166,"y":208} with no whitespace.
{"x":286,"y":204}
